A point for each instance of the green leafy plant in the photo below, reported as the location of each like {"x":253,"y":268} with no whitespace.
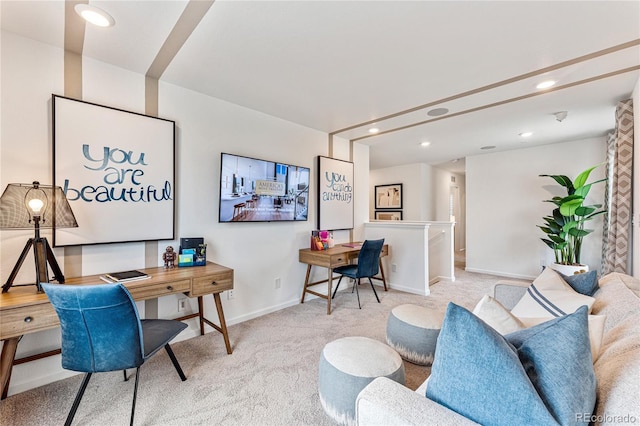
{"x":565,"y":227}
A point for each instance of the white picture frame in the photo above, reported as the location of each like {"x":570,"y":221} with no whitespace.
{"x":335,"y":194}
{"x":117,"y":169}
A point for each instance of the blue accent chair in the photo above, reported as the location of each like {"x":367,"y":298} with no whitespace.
{"x":101,"y":331}
{"x":367,"y":267}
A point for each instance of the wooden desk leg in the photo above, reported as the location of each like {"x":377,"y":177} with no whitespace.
{"x":7,"y":357}
{"x":329,"y":285}
{"x":306,"y":282}
{"x":223,"y":324}
{"x":384,"y":281}
{"x":201,"y":314}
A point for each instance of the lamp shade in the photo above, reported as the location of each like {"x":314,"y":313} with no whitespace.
{"x":19,"y":205}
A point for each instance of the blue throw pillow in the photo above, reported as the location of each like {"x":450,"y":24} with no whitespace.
{"x":585,"y":283}
{"x":479,"y":374}
{"x":557,"y":358}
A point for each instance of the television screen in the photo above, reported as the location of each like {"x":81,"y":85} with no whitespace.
{"x":253,"y":190}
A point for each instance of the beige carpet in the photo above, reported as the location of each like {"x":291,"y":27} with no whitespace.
{"x":270,"y":379}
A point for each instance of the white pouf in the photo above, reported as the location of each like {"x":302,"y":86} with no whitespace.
{"x":413,"y":331}
{"x":349,"y":364}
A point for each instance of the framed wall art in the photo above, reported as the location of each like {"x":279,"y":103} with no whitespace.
{"x":117,"y":169}
{"x":335,"y":194}
{"x":388,"y":196}
{"x":388,"y":214}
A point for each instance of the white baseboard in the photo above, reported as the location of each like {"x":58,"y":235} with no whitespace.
{"x":407,"y":289}
{"x":500,"y":274}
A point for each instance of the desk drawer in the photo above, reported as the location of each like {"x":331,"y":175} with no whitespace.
{"x":142,"y":292}
{"x":27,"y":319}
{"x":214,"y":283}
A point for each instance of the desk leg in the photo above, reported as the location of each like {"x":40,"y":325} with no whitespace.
{"x":9,"y":348}
{"x":329,"y":285}
{"x":223,"y":324}
{"x":306,"y":283}
{"x":384,"y":281}
{"x":201,"y":314}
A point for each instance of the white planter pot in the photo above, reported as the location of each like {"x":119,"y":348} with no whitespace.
{"x":569,"y":269}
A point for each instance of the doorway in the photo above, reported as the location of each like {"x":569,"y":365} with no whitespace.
{"x":457,"y":214}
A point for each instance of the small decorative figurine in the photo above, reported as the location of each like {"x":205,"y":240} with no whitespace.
{"x":169,"y":257}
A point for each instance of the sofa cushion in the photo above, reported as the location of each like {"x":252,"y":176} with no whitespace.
{"x":549,"y":296}
{"x":585,"y":283}
{"x":479,"y":373}
{"x":497,"y":316}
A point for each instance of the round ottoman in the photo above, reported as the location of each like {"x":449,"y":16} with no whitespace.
{"x":349,"y":364}
{"x":412,"y":331}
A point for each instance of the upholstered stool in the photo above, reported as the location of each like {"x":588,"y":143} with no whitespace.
{"x":349,"y":364}
{"x":412,"y":331}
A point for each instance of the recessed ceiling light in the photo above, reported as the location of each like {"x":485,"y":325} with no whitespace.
{"x":488,"y":147}
{"x":525,"y":134}
{"x":545,"y":84}
{"x":94,"y":15}
{"x":425,"y":143}
{"x":374,"y":130}
{"x":437,"y":111}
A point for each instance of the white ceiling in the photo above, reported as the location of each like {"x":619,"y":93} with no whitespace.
{"x":330,"y":65}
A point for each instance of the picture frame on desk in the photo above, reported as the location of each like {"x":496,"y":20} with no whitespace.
{"x":388,"y":215}
{"x":388,"y":196}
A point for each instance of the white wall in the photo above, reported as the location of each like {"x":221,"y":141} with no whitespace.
{"x":259,"y":252}
{"x":416,"y":189}
{"x":505,"y":203}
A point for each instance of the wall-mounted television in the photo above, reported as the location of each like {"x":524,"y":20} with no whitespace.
{"x":254,"y":190}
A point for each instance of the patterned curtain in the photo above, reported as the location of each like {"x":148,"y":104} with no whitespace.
{"x":618,"y":194}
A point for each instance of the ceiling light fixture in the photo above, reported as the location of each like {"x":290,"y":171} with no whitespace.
{"x":423,"y":144}
{"x":374,"y":130}
{"x":437,"y":112}
{"x":525,"y":134}
{"x":546,"y":84}
{"x":94,"y":15}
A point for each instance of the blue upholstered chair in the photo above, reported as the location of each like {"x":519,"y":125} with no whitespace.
{"x":367,"y":267}
{"x":101,"y":331}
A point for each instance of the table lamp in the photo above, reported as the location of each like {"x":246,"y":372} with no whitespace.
{"x":27,"y":206}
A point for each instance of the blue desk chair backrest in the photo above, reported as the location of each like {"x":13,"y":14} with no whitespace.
{"x":102,"y":331}
{"x":367,"y":267}
{"x":369,"y":258}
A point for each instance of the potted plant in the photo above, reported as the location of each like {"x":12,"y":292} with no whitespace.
{"x":565,"y":227}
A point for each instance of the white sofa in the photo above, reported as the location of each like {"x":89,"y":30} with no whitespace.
{"x":617,"y":368}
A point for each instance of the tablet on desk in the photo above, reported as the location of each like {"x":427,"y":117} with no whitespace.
{"x":125,"y":276}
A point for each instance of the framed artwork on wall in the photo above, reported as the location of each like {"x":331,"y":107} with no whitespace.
{"x":335,"y":194}
{"x":117,"y":169}
{"x":388,"y":196}
{"x":388,"y":214}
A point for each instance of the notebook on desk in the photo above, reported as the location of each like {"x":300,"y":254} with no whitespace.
{"x":353,"y":245}
{"x":124,"y":276}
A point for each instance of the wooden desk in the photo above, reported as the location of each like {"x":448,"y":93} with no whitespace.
{"x":25,"y":311}
{"x":330,"y":259}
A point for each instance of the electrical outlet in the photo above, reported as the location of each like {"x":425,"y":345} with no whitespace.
{"x":182,"y":304}
{"x":230,"y":295}
{"x":394,"y":267}
{"x":278,"y":282}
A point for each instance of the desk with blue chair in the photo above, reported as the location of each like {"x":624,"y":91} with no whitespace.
{"x":24,"y":311}
{"x":340,"y":255}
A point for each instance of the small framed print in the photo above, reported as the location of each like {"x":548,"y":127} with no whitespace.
{"x":388,"y":214}
{"x":389,"y":196}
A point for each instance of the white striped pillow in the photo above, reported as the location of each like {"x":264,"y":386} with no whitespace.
{"x":549,"y":296}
